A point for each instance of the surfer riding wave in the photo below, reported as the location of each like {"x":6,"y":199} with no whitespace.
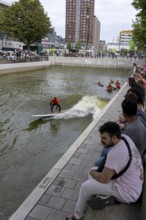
{"x":55,"y":102}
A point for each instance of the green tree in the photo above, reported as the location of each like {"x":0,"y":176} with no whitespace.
{"x":1,"y":21}
{"x":78,"y":44}
{"x":140,"y":5}
{"x":139,"y":34}
{"x":26,"y":21}
{"x":69,"y":46}
{"x":131,"y":45}
{"x":124,"y":51}
{"x":139,"y":26}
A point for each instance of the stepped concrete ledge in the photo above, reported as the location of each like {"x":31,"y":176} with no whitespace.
{"x":55,"y":196}
{"x":23,"y":67}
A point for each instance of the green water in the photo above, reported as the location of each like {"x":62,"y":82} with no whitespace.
{"x":30,"y":147}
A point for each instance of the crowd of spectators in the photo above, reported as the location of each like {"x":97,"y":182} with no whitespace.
{"x":117,"y":175}
{"x":22,"y":56}
{"x":89,"y":53}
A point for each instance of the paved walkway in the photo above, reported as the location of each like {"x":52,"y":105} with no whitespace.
{"x":59,"y":189}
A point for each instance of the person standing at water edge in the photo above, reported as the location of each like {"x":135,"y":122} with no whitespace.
{"x":55,"y":102}
{"x":134,"y":70}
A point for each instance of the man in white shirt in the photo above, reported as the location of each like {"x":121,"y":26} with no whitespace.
{"x":126,"y":188}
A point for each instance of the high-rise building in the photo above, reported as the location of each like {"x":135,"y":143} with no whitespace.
{"x":96,"y":36}
{"x":80,"y":22}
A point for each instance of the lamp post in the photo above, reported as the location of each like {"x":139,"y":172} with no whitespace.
{"x":2,"y":42}
{"x":120,"y":42}
{"x":2,"y":39}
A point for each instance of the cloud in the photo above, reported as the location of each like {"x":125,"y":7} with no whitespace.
{"x":114,"y":16}
{"x":56,"y":12}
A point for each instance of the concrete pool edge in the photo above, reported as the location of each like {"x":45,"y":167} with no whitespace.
{"x":23,"y":67}
{"x":40,"y":189}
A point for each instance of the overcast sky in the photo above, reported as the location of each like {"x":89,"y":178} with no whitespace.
{"x":114,"y":15}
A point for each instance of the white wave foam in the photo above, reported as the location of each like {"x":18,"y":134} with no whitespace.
{"x":86,"y":106}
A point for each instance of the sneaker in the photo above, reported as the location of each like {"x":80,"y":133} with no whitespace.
{"x":100,"y":202}
{"x":71,"y":217}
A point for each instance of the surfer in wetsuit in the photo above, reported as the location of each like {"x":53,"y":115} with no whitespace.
{"x":55,"y":102}
{"x":109,"y":88}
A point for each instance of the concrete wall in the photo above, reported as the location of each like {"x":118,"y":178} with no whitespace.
{"x":23,"y":67}
{"x":105,"y":62}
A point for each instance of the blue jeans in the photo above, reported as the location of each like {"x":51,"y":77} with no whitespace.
{"x":102,"y":156}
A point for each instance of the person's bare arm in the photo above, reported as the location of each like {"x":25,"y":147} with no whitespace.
{"x":104,"y":176}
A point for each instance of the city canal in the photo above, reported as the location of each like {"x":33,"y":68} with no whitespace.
{"x":30,"y":147}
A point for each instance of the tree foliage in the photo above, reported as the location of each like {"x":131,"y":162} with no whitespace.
{"x":78,"y":44}
{"x":69,"y":46}
{"x":139,"y":33}
{"x":26,"y":21}
{"x":1,"y":21}
{"x":124,"y":51}
{"x":140,"y":5}
{"x":139,"y":26}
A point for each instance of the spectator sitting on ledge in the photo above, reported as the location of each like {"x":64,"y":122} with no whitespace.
{"x":126,"y":188}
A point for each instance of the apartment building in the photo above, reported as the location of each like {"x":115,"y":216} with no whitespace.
{"x":96,"y":33}
{"x":125,"y":36}
{"x":80,"y":22}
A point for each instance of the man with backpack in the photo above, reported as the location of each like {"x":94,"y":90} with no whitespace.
{"x":120,"y":179}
